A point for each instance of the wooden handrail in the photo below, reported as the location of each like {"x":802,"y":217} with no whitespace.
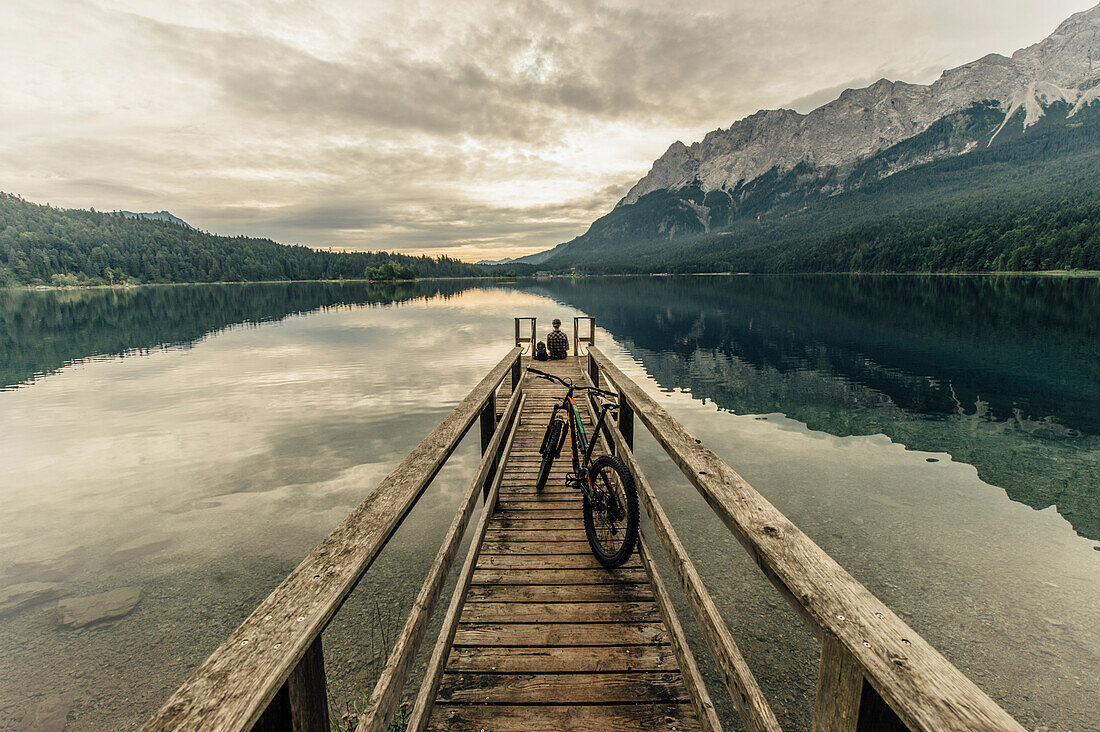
{"x":238,"y":682}
{"x":919,"y":685}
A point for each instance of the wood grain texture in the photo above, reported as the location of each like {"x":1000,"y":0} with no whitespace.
{"x":839,"y":688}
{"x":308,"y":692}
{"x":579,"y":660}
{"x":603,"y":718}
{"x":233,"y":687}
{"x":918,"y":683}
{"x":549,"y":688}
{"x":567,"y":612}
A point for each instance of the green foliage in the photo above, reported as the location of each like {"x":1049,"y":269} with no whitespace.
{"x":392,"y":270}
{"x":47,"y":245}
{"x":1028,"y":201}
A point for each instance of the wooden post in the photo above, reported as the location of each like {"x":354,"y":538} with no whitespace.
{"x":626,"y":421}
{"x":488,"y":421}
{"x":308,"y":691}
{"x":517,"y":374}
{"x":839,"y":688}
{"x":594,"y":371}
{"x":488,"y":427}
{"x":276,"y":718}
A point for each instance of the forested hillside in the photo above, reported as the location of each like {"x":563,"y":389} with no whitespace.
{"x":1030,"y":201}
{"x":46,"y":245}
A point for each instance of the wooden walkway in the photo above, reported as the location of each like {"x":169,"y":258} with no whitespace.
{"x":547,"y":638}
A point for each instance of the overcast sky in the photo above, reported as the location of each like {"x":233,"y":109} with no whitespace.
{"x":476,"y":129}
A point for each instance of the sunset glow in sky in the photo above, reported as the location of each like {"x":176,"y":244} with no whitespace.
{"x":476,"y":129}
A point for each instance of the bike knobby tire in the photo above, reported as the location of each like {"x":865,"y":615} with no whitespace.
{"x":611,"y":519}
{"x":551,"y":446}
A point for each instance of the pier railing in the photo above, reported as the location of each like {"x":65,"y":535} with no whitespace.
{"x":270,"y":673}
{"x":876,"y":673}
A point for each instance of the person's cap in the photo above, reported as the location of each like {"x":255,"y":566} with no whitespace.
{"x":556,"y":322}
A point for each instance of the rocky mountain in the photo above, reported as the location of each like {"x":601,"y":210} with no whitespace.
{"x":781,"y":159}
{"x":862,"y":122}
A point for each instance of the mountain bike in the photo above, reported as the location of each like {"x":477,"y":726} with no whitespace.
{"x":609,"y":498}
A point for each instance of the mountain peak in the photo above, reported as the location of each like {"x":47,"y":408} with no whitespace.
{"x":862,"y":122}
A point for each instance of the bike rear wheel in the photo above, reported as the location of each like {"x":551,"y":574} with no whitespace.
{"x":611,"y":517}
{"x":551,"y":444}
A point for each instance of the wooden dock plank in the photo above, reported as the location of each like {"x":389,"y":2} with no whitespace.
{"x":574,"y":612}
{"x":575,"y":659}
{"x":593,"y":688}
{"x":559,"y":593}
{"x":544,"y":561}
{"x":606,"y":718}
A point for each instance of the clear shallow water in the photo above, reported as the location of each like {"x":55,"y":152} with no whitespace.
{"x":245,"y":421}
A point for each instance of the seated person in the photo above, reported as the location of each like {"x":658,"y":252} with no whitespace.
{"x":557,"y":343}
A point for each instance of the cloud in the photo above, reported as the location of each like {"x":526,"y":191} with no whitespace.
{"x":477,"y":128}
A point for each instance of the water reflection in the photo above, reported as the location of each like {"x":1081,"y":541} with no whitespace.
{"x":201,"y":475}
{"x":1001,"y":372}
{"x":43,"y":330}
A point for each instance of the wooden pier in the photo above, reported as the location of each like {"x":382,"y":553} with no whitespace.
{"x":537,"y":635}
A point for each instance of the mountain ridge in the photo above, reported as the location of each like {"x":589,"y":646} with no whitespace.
{"x":861,"y":122}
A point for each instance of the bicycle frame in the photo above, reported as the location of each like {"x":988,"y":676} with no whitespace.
{"x":579,"y":443}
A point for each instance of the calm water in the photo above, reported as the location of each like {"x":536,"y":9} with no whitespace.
{"x":940,"y":437}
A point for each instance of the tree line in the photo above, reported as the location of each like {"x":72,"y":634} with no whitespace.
{"x":41,"y":244}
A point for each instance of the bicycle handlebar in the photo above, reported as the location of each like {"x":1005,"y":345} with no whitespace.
{"x":569,"y":384}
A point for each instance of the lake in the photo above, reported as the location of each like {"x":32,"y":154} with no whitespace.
{"x":186,"y":446}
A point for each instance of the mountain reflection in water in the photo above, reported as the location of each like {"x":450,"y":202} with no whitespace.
{"x":1000,"y":372}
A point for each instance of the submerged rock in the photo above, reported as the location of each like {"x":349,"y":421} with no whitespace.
{"x":50,"y":715}
{"x":140,"y":548}
{"x":77,"y":612}
{"x":39,"y":570}
{"x":26,"y":594}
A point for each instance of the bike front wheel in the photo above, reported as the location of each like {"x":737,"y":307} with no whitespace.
{"x":551,"y":445}
{"x":611,"y":515}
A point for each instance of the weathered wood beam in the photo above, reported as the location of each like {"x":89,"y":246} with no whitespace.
{"x":925,"y":690}
{"x":839,"y":688}
{"x":233,"y":687}
{"x":308,"y":691}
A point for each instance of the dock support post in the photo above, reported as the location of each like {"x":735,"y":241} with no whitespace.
{"x":488,"y":421}
{"x":839,"y":688}
{"x":301,"y":704}
{"x":308,"y":691}
{"x":593,"y":371}
{"x":517,"y":374}
{"x":488,"y":427}
{"x":626,"y":421}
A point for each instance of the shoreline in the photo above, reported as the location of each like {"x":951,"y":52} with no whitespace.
{"x":1082,"y":274}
